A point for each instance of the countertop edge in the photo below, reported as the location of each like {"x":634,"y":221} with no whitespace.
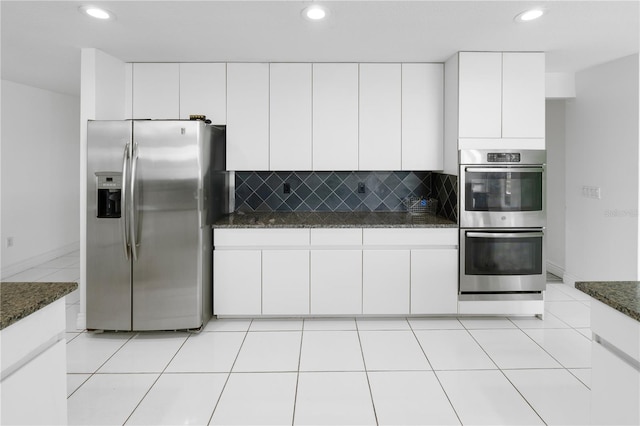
{"x":598,"y":294}
{"x":311,"y":226}
{"x":13,"y":311}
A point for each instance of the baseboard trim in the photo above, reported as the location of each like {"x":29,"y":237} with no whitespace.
{"x":555,"y":269}
{"x":570,"y":279}
{"x":81,"y":321}
{"x":23,"y":265}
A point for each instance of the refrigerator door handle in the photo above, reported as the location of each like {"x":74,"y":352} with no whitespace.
{"x":133,"y":208}
{"x":124,"y":222}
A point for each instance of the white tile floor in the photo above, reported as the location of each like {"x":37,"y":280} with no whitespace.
{"x":345,"y":371}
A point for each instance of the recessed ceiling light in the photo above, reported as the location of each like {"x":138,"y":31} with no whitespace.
{"x":96,"y":12}
{"x":529,"y":15}
{"x":315,"y":12}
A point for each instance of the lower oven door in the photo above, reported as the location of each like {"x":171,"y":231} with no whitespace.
{"x":502,"y":260}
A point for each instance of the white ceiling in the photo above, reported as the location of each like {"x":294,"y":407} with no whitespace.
{"x":41,"y":40}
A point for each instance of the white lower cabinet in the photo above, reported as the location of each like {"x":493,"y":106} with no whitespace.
{"x":615,"y":367}
{"x":336,"y":282}
{"x":385,"y":282}
{"x":237,"y":282}
{"x":434,"y":281}
{"x":33,"y":384}
{"x":292,"y":272}
{"x":285,"y":282}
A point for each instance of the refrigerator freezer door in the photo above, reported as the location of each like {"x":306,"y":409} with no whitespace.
{"x":108,"y":268}
{"x":167,"y":185}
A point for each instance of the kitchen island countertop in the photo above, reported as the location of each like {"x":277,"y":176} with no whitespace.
{"x":332,"y":220}
{"x":623,"y":296}
{"x":22,"y":299}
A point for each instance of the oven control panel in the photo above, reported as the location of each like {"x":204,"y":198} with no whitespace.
{"x":503,"y":157}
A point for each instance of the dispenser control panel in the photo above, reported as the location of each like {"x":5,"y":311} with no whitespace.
{"x":109,"y":181}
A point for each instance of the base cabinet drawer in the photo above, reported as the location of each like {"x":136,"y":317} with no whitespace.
{"x":434,"y":281}
{"x":285,"y":282}
{"x":336,"y":282}
{"x":385,"y":282}
{"x":237,"y":282}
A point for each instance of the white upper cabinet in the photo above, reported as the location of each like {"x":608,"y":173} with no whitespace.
{"x":480,"y":91}
{"x":523,"y":95}
{"x":501,"y":96}
{"x":335,"y":116}
{"x":156,"y":91}
{"x":380,"y":117}
{"x":203,"y":91}
{"x":422,"y":116}
{"x":248,"y":116}
{"x":290,"y":117}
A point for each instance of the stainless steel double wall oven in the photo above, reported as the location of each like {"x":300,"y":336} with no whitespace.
{"x":502,"y":224}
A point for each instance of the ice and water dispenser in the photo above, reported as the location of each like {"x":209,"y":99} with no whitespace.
{"x":109,"y":194}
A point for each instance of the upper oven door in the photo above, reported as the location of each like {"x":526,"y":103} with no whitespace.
{"x":502,"y":196}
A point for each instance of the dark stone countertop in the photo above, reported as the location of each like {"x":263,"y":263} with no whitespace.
{"x":332,"y":220}
{"x":623,"y":296}
{"x":21,"y":299}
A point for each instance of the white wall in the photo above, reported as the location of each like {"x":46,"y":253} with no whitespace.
{"x":555,"y":141}
{"x":40,"y":167}
{"x":602,"y":150}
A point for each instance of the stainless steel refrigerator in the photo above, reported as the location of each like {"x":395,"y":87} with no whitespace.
{"x":154,"y":187}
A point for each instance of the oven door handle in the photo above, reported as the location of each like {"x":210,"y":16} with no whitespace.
{"x":504,"y":234}
{"x":504,"y":169}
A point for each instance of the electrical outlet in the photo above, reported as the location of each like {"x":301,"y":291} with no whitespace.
{"x":591,"y":192}
{"x":360,"y":187}
{"x":8,"y":242}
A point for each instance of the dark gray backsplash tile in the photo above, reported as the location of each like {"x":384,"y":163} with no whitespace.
{"x":338,"y":191}
{"x":445,"y":190}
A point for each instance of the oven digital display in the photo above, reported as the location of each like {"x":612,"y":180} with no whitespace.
{"x":503,"y":157}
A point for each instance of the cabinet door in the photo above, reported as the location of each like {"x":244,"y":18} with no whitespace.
{"x":422,"y":116}
{"x":203,"y":90}
{"x":615,"y":388}
{"x":237,"y":282}
{"x":290,"y":117}
{"x":523,"y":95}
{"x":335,"y":116}
{"x":385,"y":282}
{"x":156,"y":91}
{"x":380,"y":117}
{"x":247,"y":116}
{"x":39,"y":384}
{"x":434,"y":281}
{"x":480,"y":95}
{"x":285,"y":282}
{"x":336,"y":282}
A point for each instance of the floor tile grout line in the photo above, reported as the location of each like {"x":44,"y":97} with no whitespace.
{"x":366,"y":373}
{"x":523,"y":397}
{"x":157,"y":378}
{"x":100,"y":366}
{"x":564,"y":367}
{"x":295,"y":395}
{"x":505,"y":376}
{"x":215,"y":407}
{"x":436,"y":374}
